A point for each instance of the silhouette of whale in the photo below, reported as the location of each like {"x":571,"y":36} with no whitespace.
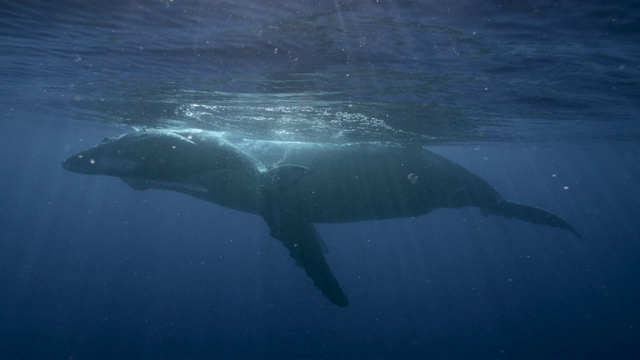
{"x":293,"y":185}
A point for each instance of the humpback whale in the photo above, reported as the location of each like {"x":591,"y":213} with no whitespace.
{"x":294,"y":185}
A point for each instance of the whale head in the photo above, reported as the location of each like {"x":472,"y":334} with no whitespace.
{"x":150,"y":154}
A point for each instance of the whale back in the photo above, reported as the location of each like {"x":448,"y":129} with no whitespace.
{"x":348,"y":183}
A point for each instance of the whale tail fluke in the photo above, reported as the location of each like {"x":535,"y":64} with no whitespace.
{"x":532,"y":214}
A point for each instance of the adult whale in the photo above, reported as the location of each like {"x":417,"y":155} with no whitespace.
{"x":293,"y":185}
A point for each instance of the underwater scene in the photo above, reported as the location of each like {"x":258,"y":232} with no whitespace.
{"x":325,"y":179}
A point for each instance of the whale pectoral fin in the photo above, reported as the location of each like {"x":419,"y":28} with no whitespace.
{"x":273,"y":183}
{"x":323,"y":245}
{"x":533,"y":215}
{"x":298,"y":236}
{"x":304,"y":247}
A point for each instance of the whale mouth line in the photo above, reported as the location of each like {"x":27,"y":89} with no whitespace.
{"x":103,"y":165}
{"x":144,"y":184}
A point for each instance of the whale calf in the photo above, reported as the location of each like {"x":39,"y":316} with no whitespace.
{"x":294,"y":185}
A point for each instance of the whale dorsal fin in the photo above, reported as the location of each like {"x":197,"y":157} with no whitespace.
{"x":281,"y":178}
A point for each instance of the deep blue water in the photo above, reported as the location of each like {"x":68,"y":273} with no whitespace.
{"x":540,"y":98}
